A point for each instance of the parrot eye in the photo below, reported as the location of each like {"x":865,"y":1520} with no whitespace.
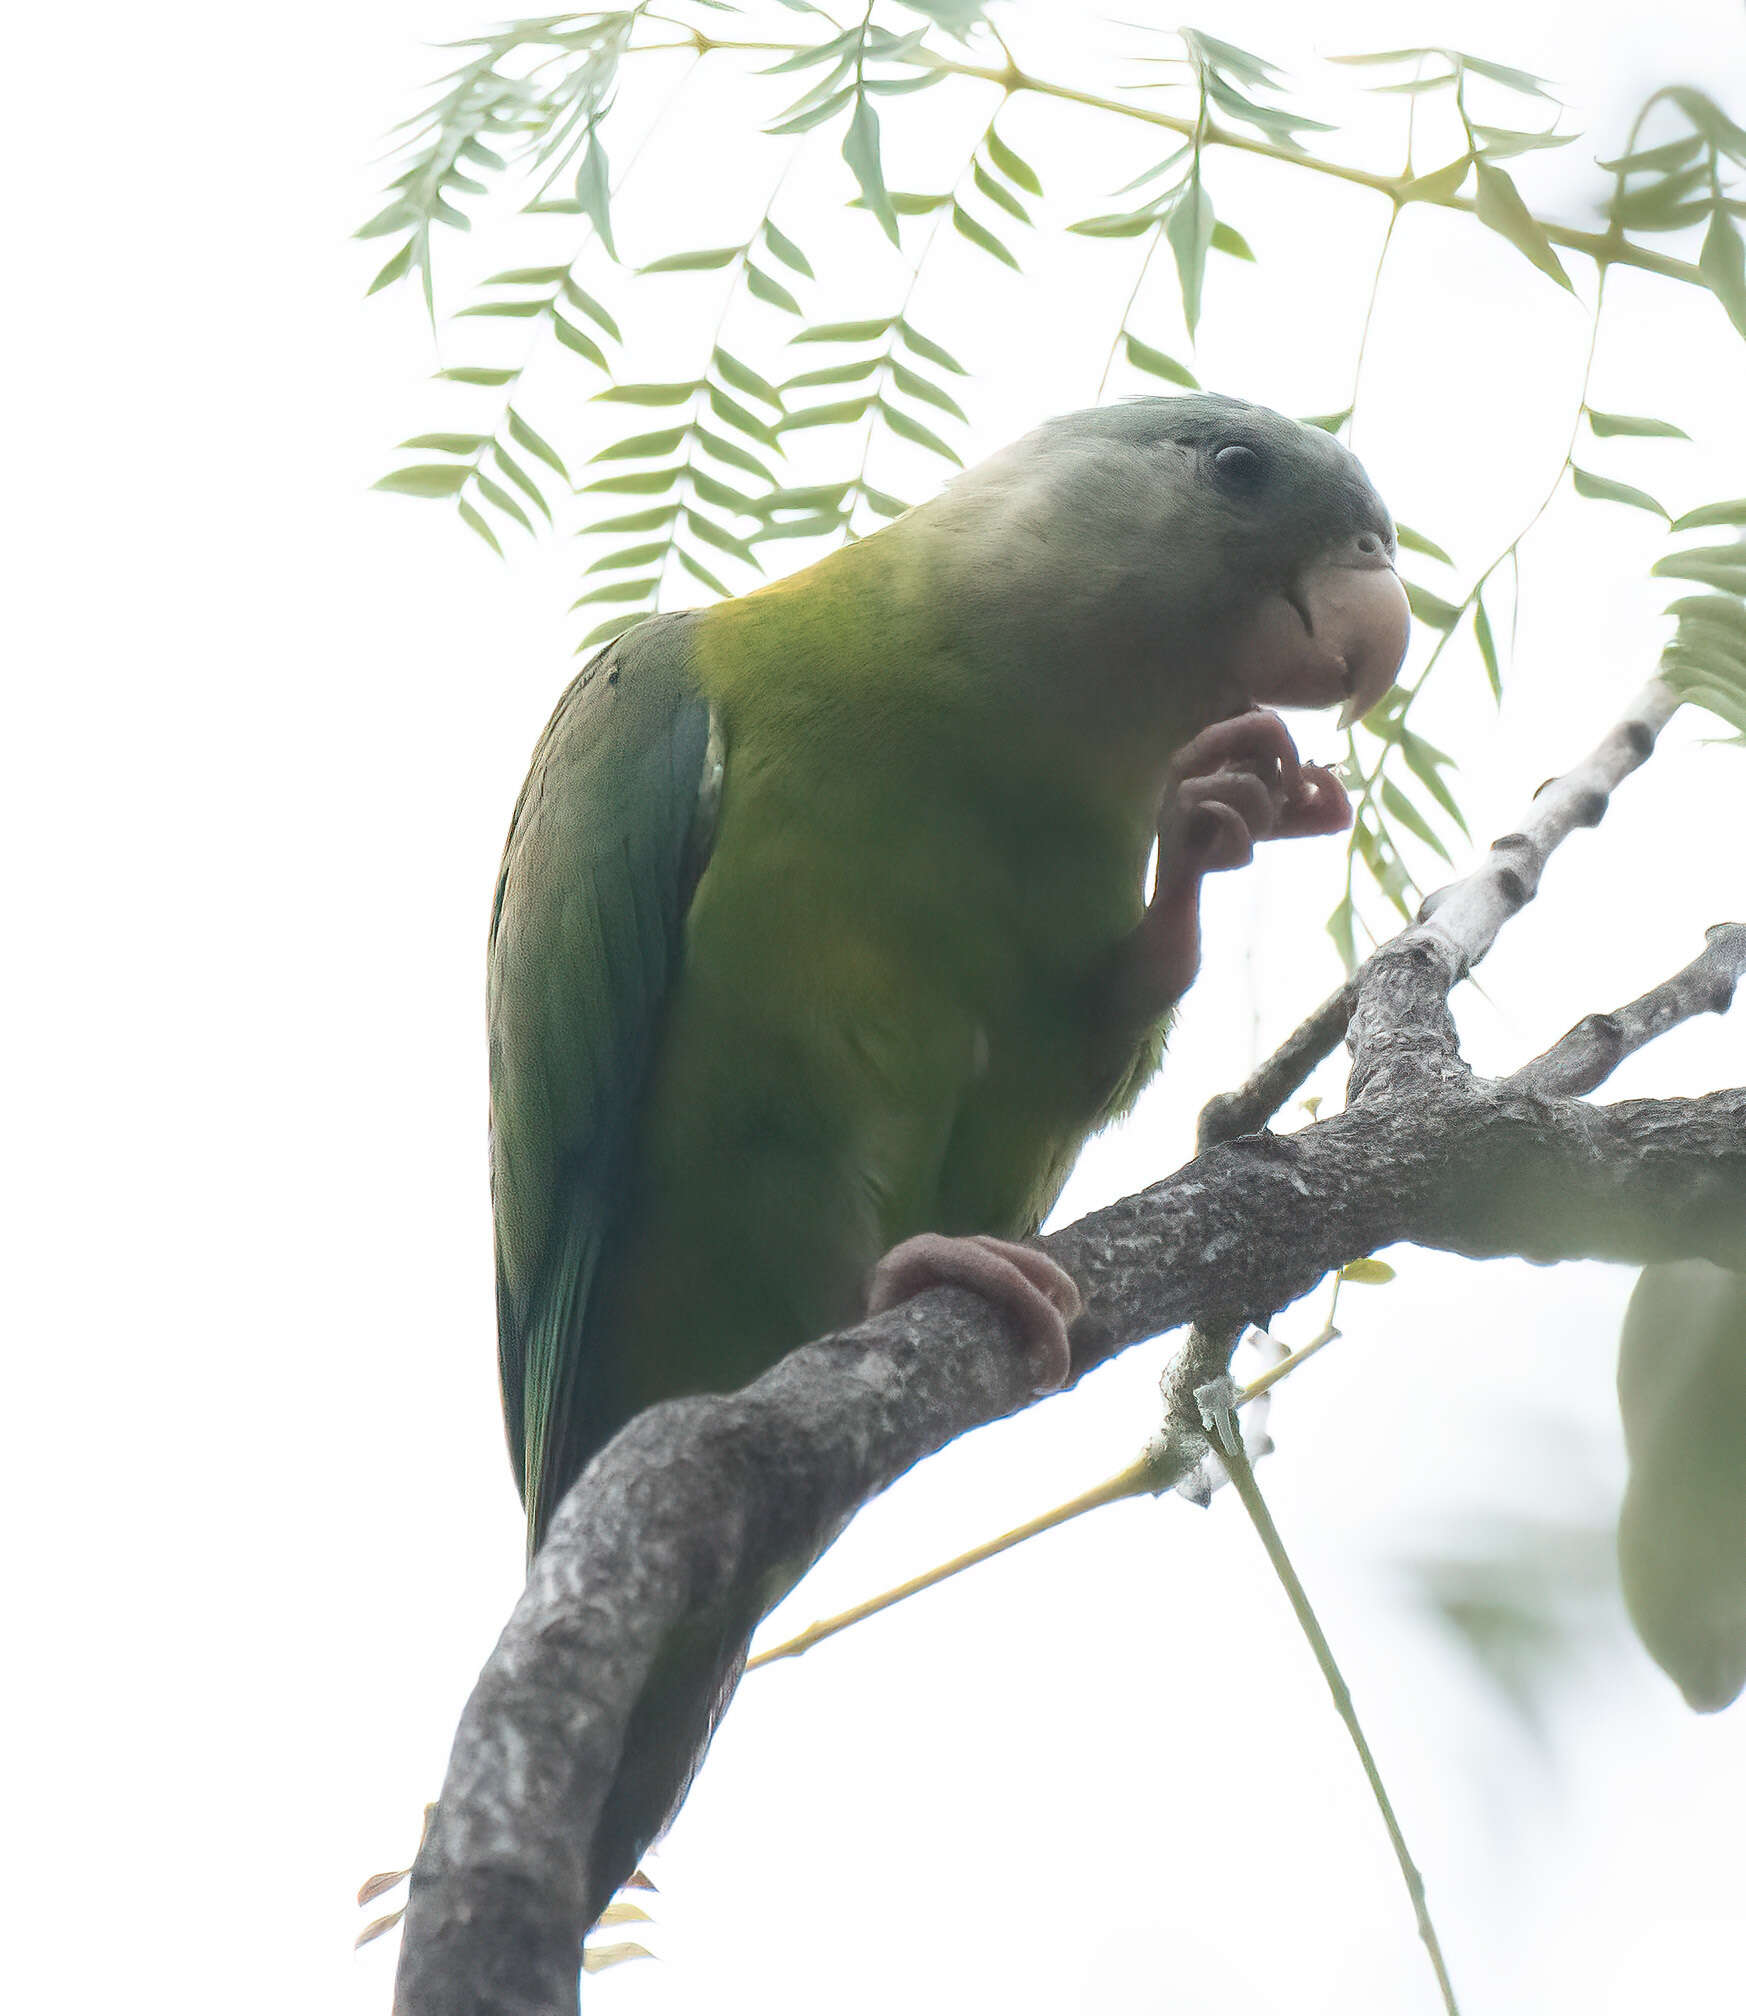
{"x":1240,"y":465}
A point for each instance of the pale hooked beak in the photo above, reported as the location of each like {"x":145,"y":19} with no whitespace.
{"x":1338,"y":636}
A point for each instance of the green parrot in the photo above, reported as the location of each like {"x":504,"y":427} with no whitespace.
{"x":822,"y":941}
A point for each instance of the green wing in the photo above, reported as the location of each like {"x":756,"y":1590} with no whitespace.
{"x":604,"y":851}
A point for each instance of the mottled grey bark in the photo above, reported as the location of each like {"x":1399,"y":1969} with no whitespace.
{"x":591,"y":1714}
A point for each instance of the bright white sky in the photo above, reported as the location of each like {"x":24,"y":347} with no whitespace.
{"x":266,"y":731}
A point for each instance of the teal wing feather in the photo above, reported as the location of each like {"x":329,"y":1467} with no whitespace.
{"x":604,"y":851}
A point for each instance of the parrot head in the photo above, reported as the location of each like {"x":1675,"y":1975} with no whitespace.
{"x":1247,"y":553}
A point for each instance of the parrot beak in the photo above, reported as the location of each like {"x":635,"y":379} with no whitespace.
{"x":1337,"y":636}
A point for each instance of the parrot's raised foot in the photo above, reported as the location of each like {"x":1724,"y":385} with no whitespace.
{"x":1026,"y":1286}
{"x":1237,"y":783}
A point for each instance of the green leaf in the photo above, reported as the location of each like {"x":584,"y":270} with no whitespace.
{"x":1657,"y":160}
{"x":919,"y":387}
{"x":695,"y":262}
{"x":912,"y":429}
{"x":997,"y":194}
{"x":1487,"y":645}
{"x":861,"y":151}
{"x":1425,"y":762}
{"x":1399,"y":806}
{"x":1126,"y":224}
{"x":1416,"y":542}
{"x":1502,"y":143}
{"x":575,"y":339}
{"x":914,"y":340}
{"x":693,"y":565}
{"x":771,"y":292}
{"x":744,"y":379}
{"x":887,"y":506}
{"x":1367,"y":1273}
{"x":631,"y":521}
{"x":616,"y":628}
{"x":722,"y":495}
{"x":1611,"y":492}
{"x":1502,"y":210}
{"x":1144,"y":358}
{"x":399,"y":216}
{"x":1190,"y":229}
{"x":1664,"y":204}
{"x":472,"y":518}
{"x":712,"y":534}
{"x":814,"y":114}
{"x":1518,"y":80}
{"x":1714,"y":566}
{"x":787,"y":251}
{"x":1329,"y":423}
{"x":579,"y":298}
{"x":425,"y":479}
{"x":617,"y":591}
{"x":735,"y":457}
{"x":393,"y":270}
{"x":647,"y":395}
{"x":1228,"y":239}
{"x":504,"y":502}
{"x":521,"y":432}
{"x":449,"y":444}
{"x":836,"y":415}
{"x":1011,"y":166}
{"x":815,"y":527}
{"x":844,"y":332}
{"x":478,"y":374}
{"x":628,"y":556}
{"x":520,"y":478}
{"x":979,"y":234}
{"x":1339,"y":928}
{"x":1731,"y":513}
{"x":594,"y":191}
{"x":644,"y":480}
{"x":1440,"y":184}
{"x":836,"y":374}
{"x":634,"y":446}
{"x":732,"y":414}
{"x":1722,"y":262}
{"x":527,"y":276}
{"x":520,"y":311}
{"x":1605,"y":424}
{"x":1431,"y":609}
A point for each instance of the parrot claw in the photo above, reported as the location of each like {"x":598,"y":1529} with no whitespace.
{"x":1037,"y":1297}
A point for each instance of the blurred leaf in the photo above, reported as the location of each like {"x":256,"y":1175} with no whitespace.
{"x":835,"y":374}
{"x":647,"y":395}
{"x":1367,"y":1273}
{"x":1431,"y":608}
{"x":1605,"y":424}
{"x":476,"y":374}
{"x":576,"y":339}
{"x":695,"y":262}
{"x":1329,"y":423}
{"x":917,"y":387}
{"x":630,"y":521}
{"x":1416,"y":542}
{"x":1487,"y":644}
{"x":1609,"y":491}
{"x":495,"y":493}
{"x":1440,"y":184}
{"x":834,"y":415}
{"x":1715,"y":566}
{"x":596,"y":1959}
{"x":1399,"y":806}
{"x":1722,"y":262}
{"x":1189,"y":230}
{"x":425,"y":479}
{"x":861,"y":151}
{"x":1145,"y":358}
{"x":1426,"y":763}
{"x":520,"y":431}
{"x":912,"y":429}
{"x":392,"y":270}
{"x":627,"y":556}
{"x":771,"y":292}
{"x":1011,"y":166}
{"x":1502,"y":209}
{"x":1228,"y":239}
{"x":448,"y":444}
{"x":979,"y":234}
{"x":1657,"y":160}
{"x":1731,"y":513}
{"x":787,"y":251}
{"x":914,"y":340}
{"x":617,"y":591}
{"x":844,"y":332}
{"x":377,"y":1926}
{"x":579,"y":298}
{"x":519,"y":311}
{"x":998,"y":194}
{"x":643,"y":480}
{"x":744,"y":379}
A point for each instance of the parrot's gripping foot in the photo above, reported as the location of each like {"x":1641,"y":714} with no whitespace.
{"x":1026,"y":1286}
{"x":1237,"y":783}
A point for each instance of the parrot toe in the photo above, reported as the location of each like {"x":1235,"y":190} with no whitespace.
{"x":1026,"y":1286}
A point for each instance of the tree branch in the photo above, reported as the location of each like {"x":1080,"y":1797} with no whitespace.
{"x":593,"y":1712}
